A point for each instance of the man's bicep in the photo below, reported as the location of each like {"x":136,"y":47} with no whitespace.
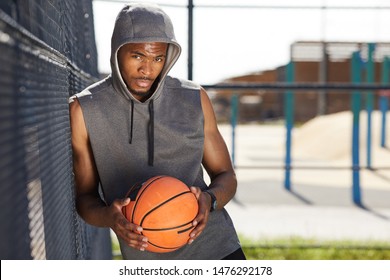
{"x":216,"y":157}
{"x":84,"y":167}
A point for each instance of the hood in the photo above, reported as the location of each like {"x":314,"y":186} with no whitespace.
{"x":142,"y":23}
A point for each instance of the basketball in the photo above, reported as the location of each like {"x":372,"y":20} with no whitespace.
{"x":165,"y":208}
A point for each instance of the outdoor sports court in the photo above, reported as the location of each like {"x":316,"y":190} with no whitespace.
{"x":319,"y":204}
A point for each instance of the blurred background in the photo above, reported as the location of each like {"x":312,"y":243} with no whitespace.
{"x":300,"y":91}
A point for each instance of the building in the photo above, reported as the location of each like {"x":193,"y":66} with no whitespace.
{"x":314,"y":62}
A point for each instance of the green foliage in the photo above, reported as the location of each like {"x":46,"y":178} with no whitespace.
{"x":116,"y":251}
{"x":305,"y":249}
{"x":308,"y":249}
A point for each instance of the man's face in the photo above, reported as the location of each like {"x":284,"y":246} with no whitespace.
{"x":140,"y":64}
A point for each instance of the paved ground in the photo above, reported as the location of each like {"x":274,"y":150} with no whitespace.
{"x":319,"y":204}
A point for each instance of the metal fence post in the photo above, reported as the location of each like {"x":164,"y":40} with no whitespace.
{"x":233,"y":121}
{"x":369,"y":101}
{"x":289,"y":122}
{"x":356,"y":105}
{"x":384,"y":98}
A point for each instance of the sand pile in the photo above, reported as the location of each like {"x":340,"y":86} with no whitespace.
{"x":330,"y":138}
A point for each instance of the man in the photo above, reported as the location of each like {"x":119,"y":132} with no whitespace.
{"x":138,"y":123}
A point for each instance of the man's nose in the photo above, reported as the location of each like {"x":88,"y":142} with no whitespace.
{"x":146,"y":67}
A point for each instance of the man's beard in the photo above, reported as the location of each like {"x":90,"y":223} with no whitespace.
{"x":146,"y":94}
{"x":140,"y":93}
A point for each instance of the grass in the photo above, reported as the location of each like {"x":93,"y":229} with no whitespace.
{"x":116,"y":251}
{"x":308,"y":249}
{"x":305,"y":249}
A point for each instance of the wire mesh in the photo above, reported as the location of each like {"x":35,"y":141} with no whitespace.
{"x":47,"y":52}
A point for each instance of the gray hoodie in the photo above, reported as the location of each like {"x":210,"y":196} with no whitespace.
{"x":142,"y":23}
{"x":133,"y":141}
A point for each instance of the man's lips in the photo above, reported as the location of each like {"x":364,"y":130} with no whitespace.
{"x":144,"y":83}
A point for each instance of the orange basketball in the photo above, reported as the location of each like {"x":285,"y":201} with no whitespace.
{"x":165,"y":208}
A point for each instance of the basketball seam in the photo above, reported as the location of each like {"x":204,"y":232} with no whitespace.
{"x":168,"y":248}
{"x":161,"y":229}
{"x":138,"y":197}
{"x":161,"y":204}
{"x":184,"y":230}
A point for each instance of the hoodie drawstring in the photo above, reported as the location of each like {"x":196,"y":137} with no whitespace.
{"x":151,"y":134}
{"x":150,"y":130}
{"x":131,"y":122}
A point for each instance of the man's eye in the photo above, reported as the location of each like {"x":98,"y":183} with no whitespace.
{"x":159,"y":59}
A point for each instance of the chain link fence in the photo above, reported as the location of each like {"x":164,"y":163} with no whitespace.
{"x":47,"y":53}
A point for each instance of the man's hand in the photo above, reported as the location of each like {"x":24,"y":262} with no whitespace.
{"x":127,"y":231}
{"x":200,"y":221}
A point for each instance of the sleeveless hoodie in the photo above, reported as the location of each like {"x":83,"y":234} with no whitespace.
{"x":132,"y":141}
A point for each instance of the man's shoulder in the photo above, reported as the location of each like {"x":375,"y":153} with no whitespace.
{"x":95,"y":89}
{"x":181,"y":83}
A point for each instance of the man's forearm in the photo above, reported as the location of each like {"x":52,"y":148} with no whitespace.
{"x":224,"y":187}
{"x":93,"y":210}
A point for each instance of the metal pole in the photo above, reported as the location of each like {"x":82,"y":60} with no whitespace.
{"x":190,"y":37}
{"x":340,"y":87}
{"x":384,"y":99}
{"x":369,"y":101}
{"x":233,"y":121}
{"x":289,"y":121}
{"x":323,"y":78}
{"x":355,"y":104}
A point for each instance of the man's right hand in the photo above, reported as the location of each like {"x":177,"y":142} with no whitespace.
{"x":125,"y":230}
